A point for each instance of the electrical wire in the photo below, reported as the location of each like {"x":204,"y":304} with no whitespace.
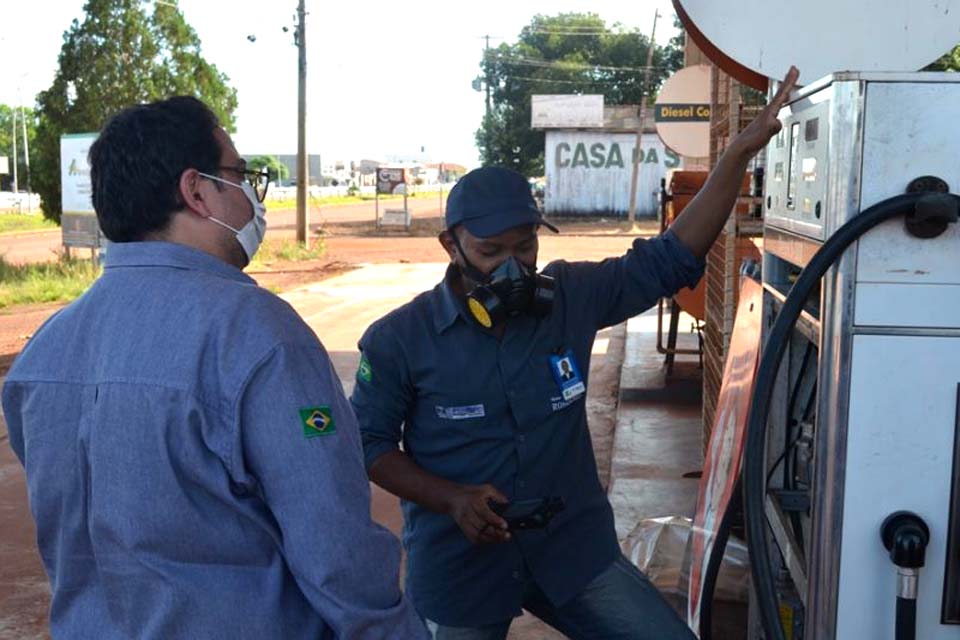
{"x":570,"y":32}
{"x":585,"y":81}
{"x":561,"y":65}
{"x":595,"y":32}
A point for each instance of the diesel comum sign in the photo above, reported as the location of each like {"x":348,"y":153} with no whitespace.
{"x":682,"y":113}
{"x":588,"y":173}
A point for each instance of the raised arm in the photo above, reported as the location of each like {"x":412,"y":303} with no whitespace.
{"x":703,"y":219}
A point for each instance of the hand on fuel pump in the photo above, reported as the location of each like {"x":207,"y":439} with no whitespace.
{"x":470,"y":509}
{"x":766,"y":125}
{"x":701,"y":221}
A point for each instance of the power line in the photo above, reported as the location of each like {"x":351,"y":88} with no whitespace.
{"x":557,"y":32}
{"x":570,"y":32}
{"x":580,"y":82}
{"x":565,"y":66}
{"x":566,"y":32}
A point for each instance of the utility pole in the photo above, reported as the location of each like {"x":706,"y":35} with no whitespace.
{"x":637,"y":152}
{"x":303,"y":169}
{"x":486,"y":129}
{"x":13,"y":119}
{"x":26,"y":156}
{"x":440,"y":182}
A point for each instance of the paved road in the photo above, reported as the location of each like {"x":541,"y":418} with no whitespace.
{"x":39,"y":246}
{"x":338,"y":309}
{"x":353,"y":219}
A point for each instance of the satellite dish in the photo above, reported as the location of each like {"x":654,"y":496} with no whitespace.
{"x":824,"y":36}
{"x":682,"y":111}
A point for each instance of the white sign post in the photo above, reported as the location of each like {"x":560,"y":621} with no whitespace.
{"x":78,"y":220}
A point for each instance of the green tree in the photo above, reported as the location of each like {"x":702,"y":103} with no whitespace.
{"x":572,"y":53}
{"x":673,"y":52}
{"x":271,"y":164}
{"x":6,"y":142}
{"x":949,"y":61}
{"x":124,"y":52}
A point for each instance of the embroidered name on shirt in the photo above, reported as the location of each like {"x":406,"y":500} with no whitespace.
{"x":461,"y":413}
{"x":557,"y":403}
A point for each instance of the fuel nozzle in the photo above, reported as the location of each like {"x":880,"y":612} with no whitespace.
{"x":905,"y":535}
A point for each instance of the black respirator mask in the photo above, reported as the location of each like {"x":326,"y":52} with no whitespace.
{"x":511,"y":289}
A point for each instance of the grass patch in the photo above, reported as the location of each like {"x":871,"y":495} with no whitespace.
{"x":12,"y":222}
{"x":60,"y":281}
{"x":291,"y":203}
{"x":272,"y":251}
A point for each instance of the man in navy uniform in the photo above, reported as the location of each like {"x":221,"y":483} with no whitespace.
{"x":467,"y":377}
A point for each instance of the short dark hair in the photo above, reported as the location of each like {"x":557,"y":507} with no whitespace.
{"x":137,"y":161}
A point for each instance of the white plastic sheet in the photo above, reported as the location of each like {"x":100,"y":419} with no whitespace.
{"x":658,"y":547}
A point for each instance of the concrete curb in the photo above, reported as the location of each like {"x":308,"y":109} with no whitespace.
{"x":658,"y":433}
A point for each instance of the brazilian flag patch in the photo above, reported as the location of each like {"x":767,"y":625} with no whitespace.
{"x":317,"y":421}
{"x":365,"y":371}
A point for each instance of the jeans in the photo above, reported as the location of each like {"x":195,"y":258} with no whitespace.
{"x":619,"y":604}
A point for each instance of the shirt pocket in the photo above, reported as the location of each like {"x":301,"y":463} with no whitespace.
{"x":540,"y":400}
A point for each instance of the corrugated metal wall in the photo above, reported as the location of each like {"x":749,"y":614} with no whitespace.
{"x":588,"y":173}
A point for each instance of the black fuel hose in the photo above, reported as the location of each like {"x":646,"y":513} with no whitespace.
{"x":906,"y":624}
{"x":712,"y":572}
{"x":754,"y":474}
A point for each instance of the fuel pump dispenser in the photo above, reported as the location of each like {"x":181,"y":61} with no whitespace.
{"x":851,"y":468}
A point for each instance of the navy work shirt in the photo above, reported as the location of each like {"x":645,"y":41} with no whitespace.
{"x":474,"y":409}
{"x":184,"y":476}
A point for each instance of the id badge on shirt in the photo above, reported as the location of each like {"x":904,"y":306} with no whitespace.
{"x":567,"y":374}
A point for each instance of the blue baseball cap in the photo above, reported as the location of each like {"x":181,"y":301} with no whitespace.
{"x":490,"y":200}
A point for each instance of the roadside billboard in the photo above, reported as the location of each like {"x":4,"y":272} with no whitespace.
{"x":392,"y":180}
{"x":551,"y":111}
{"x":78,"y":220}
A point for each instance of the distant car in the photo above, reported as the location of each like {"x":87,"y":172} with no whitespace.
{"x":537,"y":190}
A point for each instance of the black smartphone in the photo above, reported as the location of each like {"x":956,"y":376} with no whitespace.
{"x":532,"y":513}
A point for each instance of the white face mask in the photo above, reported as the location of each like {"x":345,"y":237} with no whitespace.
{"x":251,"y":235}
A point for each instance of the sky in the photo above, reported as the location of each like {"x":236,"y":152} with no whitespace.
{"x":384,"y":78}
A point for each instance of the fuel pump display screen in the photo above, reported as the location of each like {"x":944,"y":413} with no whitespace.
{"x":792,"y":166}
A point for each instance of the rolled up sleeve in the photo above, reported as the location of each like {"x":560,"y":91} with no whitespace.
{"x":622,"y":287}
{"x":301,"y":443}
{"x":382,"y":395}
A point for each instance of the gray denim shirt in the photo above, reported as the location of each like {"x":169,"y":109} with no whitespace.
{"x":193,"y":466}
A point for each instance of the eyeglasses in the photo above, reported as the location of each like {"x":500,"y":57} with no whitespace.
{"x":259,"y":180}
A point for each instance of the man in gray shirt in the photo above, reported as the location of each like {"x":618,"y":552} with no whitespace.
{"x":192,"y":464}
